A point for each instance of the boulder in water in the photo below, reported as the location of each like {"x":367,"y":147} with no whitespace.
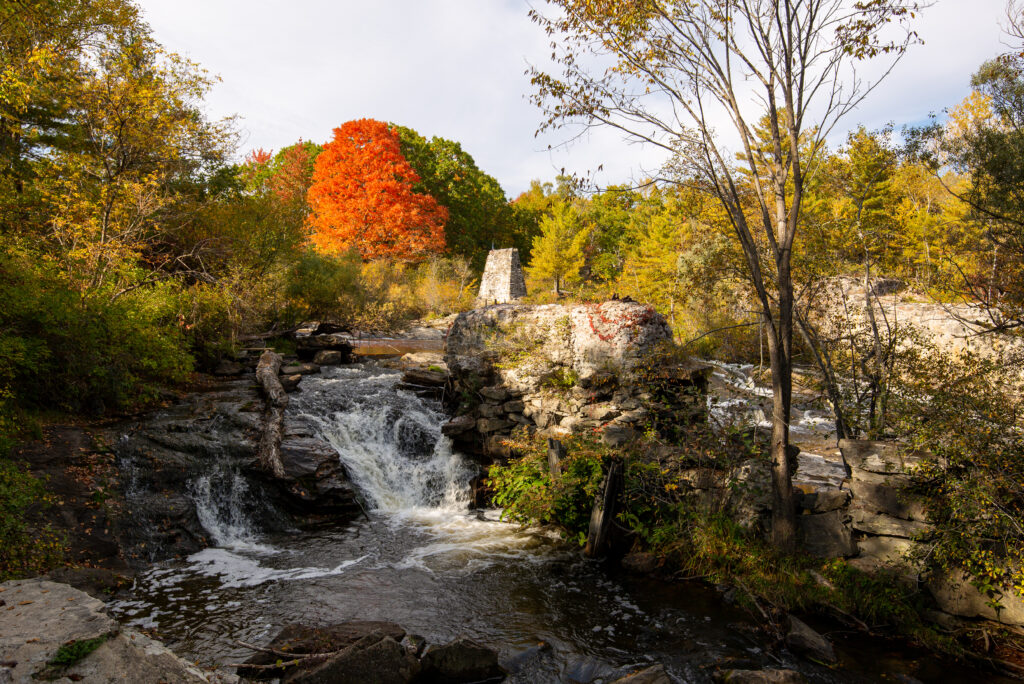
{"x":655,"y":674}
{"x":51,"y":631}
{"x":770,"y":676}
{"x":460,"y":662}
{"x":805,"y":641}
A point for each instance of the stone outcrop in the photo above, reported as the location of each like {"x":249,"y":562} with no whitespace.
{"x":561,"y":370}
{"x":49,"y":631}
{"x":875,"y":522}
{"x":365,"y":651}
{"x":216,"y":433}
{"x":503,"y":280}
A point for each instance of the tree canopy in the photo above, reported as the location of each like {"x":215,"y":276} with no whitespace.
{"x":363,"y":197}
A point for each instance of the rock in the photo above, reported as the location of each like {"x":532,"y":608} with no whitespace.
{"x":290,"y":382}
{"x":330,"y":357}
{"x":877,"y":456}
{"x":375,"y":658}
{"x":43,"y":616}
{"x":655,"y":674}
{"x":824,"y":500}
{"x":888,"y":550}
{"x":460,"y":661}
{"x":827,"y":535}
{"x":425,"y":378}
{"x":296,"y":638}
{"x":498,"y":394}
{"x":490,"y":410}
{"x":337,"y":342}
{"x":458,"y":425}
{"x":771,"y":676}
{"x":805,"y":641}
{"x":601,"y":412}
{"x":424,"y":360}
{"x":514,"y":406}
{"x":226,"y":368}
{"x":955,"y":595}
{"x":300,"y":369}
{"x":640,"y":562}
{"x":880,"y":524}
{"x":887,"y":498}
{"x":617,"y":435}
{"x":631,"y":417}
{"x":485,"y":425}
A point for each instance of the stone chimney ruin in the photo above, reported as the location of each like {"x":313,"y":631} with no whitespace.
{"x":503,"y":280}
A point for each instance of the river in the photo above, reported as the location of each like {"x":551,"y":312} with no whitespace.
{"x":423,"y":559}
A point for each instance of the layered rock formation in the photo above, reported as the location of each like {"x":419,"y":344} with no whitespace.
{"x":563,"y":370}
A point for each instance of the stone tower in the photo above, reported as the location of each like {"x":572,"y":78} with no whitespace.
{"x":503,"y":278}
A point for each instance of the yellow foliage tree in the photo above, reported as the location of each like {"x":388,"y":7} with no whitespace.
{"x":558,"y":253}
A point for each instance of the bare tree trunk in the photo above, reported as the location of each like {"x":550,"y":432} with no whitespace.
{"x":780,"y":352}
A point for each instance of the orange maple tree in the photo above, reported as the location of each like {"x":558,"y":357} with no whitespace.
{"x":362,"y":198}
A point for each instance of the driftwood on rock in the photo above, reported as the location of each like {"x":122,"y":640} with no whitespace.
{"x":603,"y":515}
{"x":269,"y":450}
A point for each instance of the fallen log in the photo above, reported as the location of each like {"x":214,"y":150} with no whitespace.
{"x":275,"y":398}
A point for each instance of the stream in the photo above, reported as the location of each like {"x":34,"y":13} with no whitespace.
{"x":422,"y":559}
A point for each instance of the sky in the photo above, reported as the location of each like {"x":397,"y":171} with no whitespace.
{"x":456,"y":69}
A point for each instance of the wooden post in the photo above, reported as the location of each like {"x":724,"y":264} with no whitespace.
{"x":603,"y":515}
{"x":556,"y":452}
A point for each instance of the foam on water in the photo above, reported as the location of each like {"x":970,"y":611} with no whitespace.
{"x":235,"y":570}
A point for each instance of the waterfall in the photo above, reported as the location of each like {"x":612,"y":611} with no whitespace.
{"x":389,"y":440}
{"x":223,"y":505}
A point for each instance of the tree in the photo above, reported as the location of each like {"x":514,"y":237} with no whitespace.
{"x":117,"y":190}
{"x":984,"y":141}
{"x":362,"y":197}
{"x":44,"y":47}
{"x":675,"y":71}
{"x":479,"y":216}
{"x":558,"y":252}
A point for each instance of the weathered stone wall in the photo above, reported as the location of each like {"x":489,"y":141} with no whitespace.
{"x":559,"y":369}
{"x":874,"y":522}
{"x":502,"y":281}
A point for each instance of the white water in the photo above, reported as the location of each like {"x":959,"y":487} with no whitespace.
{"x":389,"y":442}
{"x":414,"y":486}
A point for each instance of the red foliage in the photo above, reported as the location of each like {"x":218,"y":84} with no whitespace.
{"x":362,"y":197}
{"x":258,"y":157}
{"x":294,"y":175}
{"x":630,"y":320}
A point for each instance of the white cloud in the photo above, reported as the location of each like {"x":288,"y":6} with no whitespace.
{"x":455,"y":68}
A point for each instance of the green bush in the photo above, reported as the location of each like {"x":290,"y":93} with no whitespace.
{"x":527,"y":493}
{"x":26,"y":552}
{"x":63,"y":350}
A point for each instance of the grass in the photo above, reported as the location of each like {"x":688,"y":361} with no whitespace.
{"x":69,"y":654}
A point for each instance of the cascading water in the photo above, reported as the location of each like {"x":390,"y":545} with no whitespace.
{"x":422,"y":559}
{"x":390,"y":442}
{"x":224,"y":503}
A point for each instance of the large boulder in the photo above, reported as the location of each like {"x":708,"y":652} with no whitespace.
{"x":568,"y":369}
{"x":957,"y":596}
{"x":460,"y":662}
{"x":584,"y":338}
{"x":52,"y":631}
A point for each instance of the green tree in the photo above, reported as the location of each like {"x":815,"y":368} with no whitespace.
{"x":479,"y":216}
{"x":558,"y":252}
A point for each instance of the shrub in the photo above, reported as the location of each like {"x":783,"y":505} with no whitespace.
{"x":26,"y":552}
